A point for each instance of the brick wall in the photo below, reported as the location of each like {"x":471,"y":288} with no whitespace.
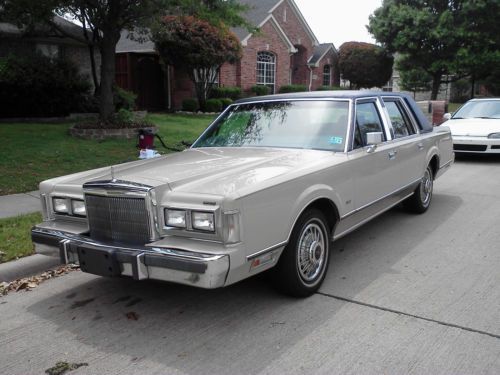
{"x":79,"y":55}
{"x":329,"y":59}
{"x":300,"y":38}
{"x":269,"y":40}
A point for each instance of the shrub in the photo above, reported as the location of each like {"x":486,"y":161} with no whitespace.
{"x":190,"y":105}
{"x":226,"y":92}
{"x":330,"y":88}
{"x":213,"y":105}
{"x":260,"y":90}
{"x":226,"y":102}
{"x":292,"y":88}
{"x":34,"y":85}
{"x":124,"y":99}
{"x":123,"y":116}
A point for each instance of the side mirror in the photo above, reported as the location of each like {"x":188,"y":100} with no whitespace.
{"x":372,"y":140}
{"x":446,"y":116}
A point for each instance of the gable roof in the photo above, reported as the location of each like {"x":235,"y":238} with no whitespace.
{"x":260,"y":12}
{"x":320,"y":52}
{"x":131,"y":42}
{"x":63,"y":29}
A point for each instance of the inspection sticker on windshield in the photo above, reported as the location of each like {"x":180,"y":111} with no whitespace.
{"x":336,"y":140}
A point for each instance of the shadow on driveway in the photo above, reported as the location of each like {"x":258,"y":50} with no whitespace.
{"x":238,"y":329}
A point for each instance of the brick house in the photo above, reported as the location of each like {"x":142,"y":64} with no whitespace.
{"x":284,"y":52}
{"x":69,"y":44}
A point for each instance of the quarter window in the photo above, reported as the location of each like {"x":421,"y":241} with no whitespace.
{"x":400,"y":121}
{"x":266,"y":69}
{"x":367,"y":121}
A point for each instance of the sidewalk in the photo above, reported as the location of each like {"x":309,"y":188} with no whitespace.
{"x":19,"y":204}
{"x":14,"y":205}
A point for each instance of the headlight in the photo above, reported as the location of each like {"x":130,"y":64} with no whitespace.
{"x":60,"y":205}
{"x":494,"y":136}
{"x":78,"y":207}
{"x":204,"y":221}
{"x":175,"y":218}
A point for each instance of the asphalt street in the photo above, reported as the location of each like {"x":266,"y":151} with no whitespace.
{"x":405,"y":294}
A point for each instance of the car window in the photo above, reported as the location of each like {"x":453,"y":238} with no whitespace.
{"x":399,"y":119}
{"x":367,"y":121}
{"x":479,"y":109}
{"x":309,"y":124}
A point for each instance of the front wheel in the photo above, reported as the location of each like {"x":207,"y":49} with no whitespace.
{"x":304,"y":261}
{"x":420,"y":201}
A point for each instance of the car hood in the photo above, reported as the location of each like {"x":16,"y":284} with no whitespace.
{"x":475,"y":127}
{"x":217,"y":171}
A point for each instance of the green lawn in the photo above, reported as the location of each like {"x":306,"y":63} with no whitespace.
{"x":452,"y":107}
{"x":32,"y":153}
{"x":15,"y":236}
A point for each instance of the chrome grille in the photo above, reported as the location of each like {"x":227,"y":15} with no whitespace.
{"x":118,"y":219}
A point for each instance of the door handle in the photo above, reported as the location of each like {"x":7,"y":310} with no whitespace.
{"x":392,"y":155}
{"x":420,"y":146}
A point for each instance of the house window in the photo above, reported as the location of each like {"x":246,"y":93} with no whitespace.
{"x":48,"y":50}
{"x":388,"y":86}
{"x":266,"y":69}
{"x":327,"y":75}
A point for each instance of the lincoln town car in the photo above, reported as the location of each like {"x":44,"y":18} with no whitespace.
{"x":269,"y":186}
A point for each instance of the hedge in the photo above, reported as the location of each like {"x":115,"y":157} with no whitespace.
{"x":39,"y":86}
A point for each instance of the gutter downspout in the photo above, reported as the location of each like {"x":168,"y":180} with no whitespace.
{"x":310,"y":76}
{"x":169,"y":104}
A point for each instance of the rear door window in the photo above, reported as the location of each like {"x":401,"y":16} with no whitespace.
{"x":400,"y":120}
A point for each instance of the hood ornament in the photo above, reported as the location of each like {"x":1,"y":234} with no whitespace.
{"x":113,"y":179}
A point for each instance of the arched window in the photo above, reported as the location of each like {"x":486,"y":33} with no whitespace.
{"x":266,"y":69}
{"x":327,"y":75}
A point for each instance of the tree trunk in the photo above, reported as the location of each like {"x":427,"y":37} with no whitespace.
{"x":436,"y":83}
{"x":107,"y":47}
{"x":97,"y":86}
{"x":472,"y":83}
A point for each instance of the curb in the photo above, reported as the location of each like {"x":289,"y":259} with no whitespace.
{"x":27,"y":266}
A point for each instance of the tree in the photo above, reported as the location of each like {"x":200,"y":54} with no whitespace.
{"x":442,"y":37}
{"x":105,"y":21}
{"x":365,"y":65}
{"x":198,"y":47}
{"x":412,"y":78}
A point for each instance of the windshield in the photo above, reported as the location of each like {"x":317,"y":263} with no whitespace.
{"x":318,"y":124}
{"x":479,"y":109}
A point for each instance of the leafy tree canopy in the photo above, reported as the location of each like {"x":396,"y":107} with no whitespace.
{"x":196,"y":46}
{"x":441,"y":37}
{"x":365,"y":65}
{"x":103,"y":22}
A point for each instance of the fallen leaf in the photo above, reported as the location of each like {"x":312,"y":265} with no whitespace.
{"x":29,"y":283}
{"x":63,"y":367}
{"x":132,"y":315}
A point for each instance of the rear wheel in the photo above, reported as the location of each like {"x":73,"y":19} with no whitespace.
{"x":304,"y":261}
{"x":420,"y":201}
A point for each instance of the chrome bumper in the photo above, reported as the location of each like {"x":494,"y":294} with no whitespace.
{"x":174,"y":265}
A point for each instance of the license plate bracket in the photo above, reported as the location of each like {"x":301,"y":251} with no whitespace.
{"x":100,"y":262}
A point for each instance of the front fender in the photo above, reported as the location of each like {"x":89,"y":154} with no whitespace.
{"x":308,"y":197}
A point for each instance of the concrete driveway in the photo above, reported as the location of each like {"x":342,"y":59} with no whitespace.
{"x":405,"y":294}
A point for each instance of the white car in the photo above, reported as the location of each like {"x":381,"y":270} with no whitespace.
{"x":475,"y":127}
{"x":268,"y":185}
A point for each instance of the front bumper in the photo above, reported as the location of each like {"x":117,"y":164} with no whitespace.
{"x":179,"y":266}
{"x":476,"y":144}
